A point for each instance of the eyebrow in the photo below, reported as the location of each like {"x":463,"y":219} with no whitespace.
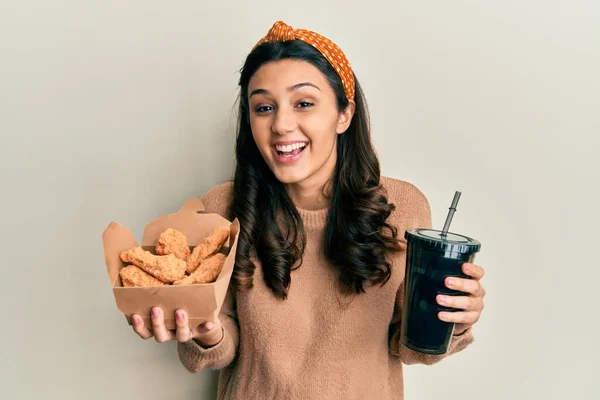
{"x":290,"y":89}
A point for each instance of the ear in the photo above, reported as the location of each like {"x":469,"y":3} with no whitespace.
{"x":345,"y":118}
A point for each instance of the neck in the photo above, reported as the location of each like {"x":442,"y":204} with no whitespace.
{"x":308,"y":196}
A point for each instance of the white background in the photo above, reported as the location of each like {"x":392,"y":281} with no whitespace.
{"x":121,"y":110}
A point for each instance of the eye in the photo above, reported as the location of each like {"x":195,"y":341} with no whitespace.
{"x":305,"y":104}
{"x":263,"y":109}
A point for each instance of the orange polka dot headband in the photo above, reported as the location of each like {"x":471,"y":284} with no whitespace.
{"x":280,"y":32}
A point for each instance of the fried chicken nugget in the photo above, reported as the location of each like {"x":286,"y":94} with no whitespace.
{"x":172,"y":241}
{"x":207,"y":272}
{"x":165,"y":268}
{"x":207,"y":247}
{"x":132,"y":276}
{"x":127,"y":283}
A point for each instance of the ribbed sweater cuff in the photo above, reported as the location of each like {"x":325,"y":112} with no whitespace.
{"x":196,"y":358}
{"x":461,"y":341}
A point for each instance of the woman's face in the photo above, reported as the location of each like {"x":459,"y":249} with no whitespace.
{"x":295,"y":121}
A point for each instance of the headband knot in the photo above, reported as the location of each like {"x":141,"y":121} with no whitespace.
{"x":281,"y":32}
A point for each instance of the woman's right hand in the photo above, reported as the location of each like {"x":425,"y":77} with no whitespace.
{"x":206,"y":334}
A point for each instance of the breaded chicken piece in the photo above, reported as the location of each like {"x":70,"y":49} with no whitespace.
{"x":172,"y":241}
{"x":127,"y":283}
{"x":166,"y":268}
{"x":207,"y":272}
{"x":207,"y":247}
{"x":132,"y":276}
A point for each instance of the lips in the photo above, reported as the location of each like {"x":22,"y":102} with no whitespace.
{"x":290,"y":149}
{"x":289,"y":152}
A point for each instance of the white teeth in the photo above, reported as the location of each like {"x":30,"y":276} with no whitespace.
{"x":290,"y":147}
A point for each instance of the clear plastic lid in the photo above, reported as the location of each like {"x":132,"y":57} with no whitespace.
{"x":433,"y":239}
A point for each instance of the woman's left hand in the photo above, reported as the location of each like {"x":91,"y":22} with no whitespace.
{"x":470,"y":306}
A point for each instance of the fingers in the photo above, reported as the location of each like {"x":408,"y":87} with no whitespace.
{"x":140,"y":328}
{"x":474,"y":271}
{"x":183,"y":333}
{"x":471,"y":305}
{"x":161,"y":334}
{"x":460,"y":317}
{"x":207,"y":331}
{"x":466,"y":303}
{"x":470,"y":286}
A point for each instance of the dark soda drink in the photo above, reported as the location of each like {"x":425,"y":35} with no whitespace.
{"x":432,"y":256}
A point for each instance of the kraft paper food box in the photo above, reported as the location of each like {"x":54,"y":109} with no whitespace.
{"x":201,"y":301}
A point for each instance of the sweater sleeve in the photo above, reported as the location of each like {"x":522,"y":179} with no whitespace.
{"x":416,"y":213}
{"x":194,"y":357}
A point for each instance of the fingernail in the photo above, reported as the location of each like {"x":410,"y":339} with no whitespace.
{"x":451,"y":282}
{"x":179,"y":315}
{"x":209,"y":325}
{"x":468,"y":267}
{"x":155,"y":312}
{"x":135,"y":320}
{"x":442,"y":299}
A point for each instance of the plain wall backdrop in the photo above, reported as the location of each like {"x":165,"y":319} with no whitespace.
{"x":121,"y":110}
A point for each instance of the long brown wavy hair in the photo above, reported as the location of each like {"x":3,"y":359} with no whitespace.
{"x":357,"y":238}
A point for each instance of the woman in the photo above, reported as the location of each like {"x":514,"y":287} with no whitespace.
{"x":314,"y":304}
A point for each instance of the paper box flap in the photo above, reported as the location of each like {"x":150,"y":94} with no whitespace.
{"x":116,"y":239}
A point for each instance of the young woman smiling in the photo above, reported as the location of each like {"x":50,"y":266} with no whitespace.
{"x":314,"y":306}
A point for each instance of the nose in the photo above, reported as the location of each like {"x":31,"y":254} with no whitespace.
{"x":284,"y":121}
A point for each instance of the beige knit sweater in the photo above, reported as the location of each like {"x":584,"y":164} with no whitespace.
{"x":317,"y":344}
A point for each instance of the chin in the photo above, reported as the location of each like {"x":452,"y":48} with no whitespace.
{"x":290,"y":177}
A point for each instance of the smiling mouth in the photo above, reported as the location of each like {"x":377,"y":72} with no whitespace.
{"x":291,"y":149}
